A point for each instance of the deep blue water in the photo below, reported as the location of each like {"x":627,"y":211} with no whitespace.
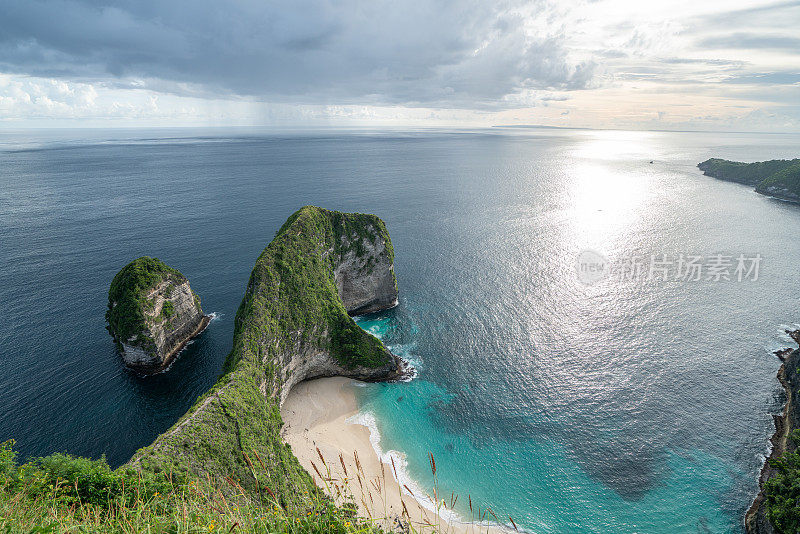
{"x":615,"y":407}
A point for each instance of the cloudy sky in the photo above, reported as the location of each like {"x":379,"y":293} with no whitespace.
{"x":680,"y":64}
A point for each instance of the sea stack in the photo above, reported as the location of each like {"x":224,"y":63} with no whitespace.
{"x":152,"y":314}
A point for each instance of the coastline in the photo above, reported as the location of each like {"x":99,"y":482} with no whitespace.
{"x":755,"y":519}
{"x":320,"y":418}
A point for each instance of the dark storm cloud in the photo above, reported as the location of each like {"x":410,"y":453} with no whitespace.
{"x":454,"y":53}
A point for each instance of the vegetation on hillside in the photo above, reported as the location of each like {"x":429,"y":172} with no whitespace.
{"x":782,"y":491}
{"x":745,"y":173}
{"x":786,"y":180}
{"x":61,"y":493}
{"x":127,"y":297}
{"x":233,"y":432}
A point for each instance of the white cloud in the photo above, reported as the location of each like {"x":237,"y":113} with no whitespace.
{"x":602,"y":63}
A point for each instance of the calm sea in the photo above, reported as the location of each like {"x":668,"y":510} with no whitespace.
{"x":629,"y":405}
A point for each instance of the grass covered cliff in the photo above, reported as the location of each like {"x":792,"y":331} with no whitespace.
{"x":223,"y":465}
{"x":779,"y":177}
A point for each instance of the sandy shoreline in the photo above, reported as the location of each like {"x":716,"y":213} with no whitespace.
{"x":316,"y":415}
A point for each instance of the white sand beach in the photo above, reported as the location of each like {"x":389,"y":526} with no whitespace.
{"x":316,"y":416}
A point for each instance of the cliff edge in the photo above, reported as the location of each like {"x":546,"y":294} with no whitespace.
{"x":293,"y":324}
{"x":152,"y":313}
{"x":756,"y":520}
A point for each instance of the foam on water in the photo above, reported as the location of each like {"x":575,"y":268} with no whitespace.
{"x":400,"y":471}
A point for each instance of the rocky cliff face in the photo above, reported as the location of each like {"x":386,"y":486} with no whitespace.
{"x":364,"y":274}
{"x":362,"y":269}
{"x":788,"y":421}
{"x":152,"y":314}
{"x":293,"y":324}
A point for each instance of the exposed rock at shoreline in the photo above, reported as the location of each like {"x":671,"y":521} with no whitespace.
{"x":756,"y":521}
{"x":152,"y":314}
{"x":293,"y":324}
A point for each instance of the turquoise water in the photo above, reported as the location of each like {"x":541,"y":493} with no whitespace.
{"x":615,"y":407}
{"x":535,"y":482}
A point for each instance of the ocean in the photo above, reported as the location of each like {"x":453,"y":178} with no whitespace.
{"x":638,"y":400}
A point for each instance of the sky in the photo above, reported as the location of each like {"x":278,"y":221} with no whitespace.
{"x":628,"y":64}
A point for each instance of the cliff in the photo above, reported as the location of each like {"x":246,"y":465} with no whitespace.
{"x":756,"y":519}
{"x":152,"y":313}
{"x":779,"y":178}
{"x":293,"y":324}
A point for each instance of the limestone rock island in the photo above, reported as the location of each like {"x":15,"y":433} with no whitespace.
{"x":152,"y":313}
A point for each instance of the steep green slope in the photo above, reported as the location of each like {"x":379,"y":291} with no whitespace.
{"x":291,"y":310}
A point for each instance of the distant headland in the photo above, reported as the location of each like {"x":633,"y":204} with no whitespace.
{"x":779,"y":178}
{"x":775,"y":507}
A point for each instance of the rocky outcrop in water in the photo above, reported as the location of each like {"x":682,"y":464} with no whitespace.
{"x":152,"y":314}
{"x":788,"y":421}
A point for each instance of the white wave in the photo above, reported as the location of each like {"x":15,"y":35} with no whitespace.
{"x":402,"y":476}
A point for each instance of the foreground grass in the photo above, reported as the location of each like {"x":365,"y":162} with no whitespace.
{"x":61,"y":493}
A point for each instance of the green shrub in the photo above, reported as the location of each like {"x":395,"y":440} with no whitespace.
{"x":782,"y":491}
{"x":168,"y":309}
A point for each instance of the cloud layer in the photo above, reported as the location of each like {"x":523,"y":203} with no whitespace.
{"x":595,"y":63}
{"x":460,"y":53}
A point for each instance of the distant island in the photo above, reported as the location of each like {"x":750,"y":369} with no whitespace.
{"x":224,"y":465}
{"x":779,"y":178}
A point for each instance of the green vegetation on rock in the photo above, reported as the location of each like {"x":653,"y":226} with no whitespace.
{"x":782,"y":491}
{"x":784,"y":181}
{"x":127,"y":297}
